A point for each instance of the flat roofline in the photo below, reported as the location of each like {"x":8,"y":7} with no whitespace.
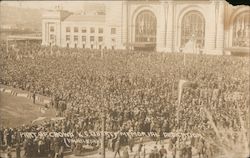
{"x":23,"y":37}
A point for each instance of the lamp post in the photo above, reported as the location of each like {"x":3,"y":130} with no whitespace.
{"x":103,"y":152}
{"x":103,"y":135}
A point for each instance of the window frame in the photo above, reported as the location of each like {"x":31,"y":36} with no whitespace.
{"x":90,"y":38}
{"x":76,"y":38}
{"x":76,"y":29}
{"x":92,"y":29}
{"x":113,"y":31}
{"x":68,"y":29}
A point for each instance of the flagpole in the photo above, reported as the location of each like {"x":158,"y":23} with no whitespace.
{"x":103,"y":152}
{"x":51,"y":49}
{"x":179,"y":101}
{"x":7,"y":45}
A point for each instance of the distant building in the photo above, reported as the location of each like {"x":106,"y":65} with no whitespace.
{"x":194,"y":26}
{"x":8,"y":27}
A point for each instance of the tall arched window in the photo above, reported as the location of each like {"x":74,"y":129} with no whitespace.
{"x":241,"y":30}
{"x":193,"y":29}
{"x":145,"y":27}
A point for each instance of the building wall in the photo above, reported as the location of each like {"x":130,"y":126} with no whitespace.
{"x":114,"y":19}
{"x":79,"y":34}
{"x":121,"y":15}
{"x":169,"y":17}
{"x":207,"y":10}
{"x":52,"y":19}
{"x":231,"y":13}
{"x":135,"y":8}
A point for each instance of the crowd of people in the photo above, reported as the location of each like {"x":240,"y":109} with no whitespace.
{"x":133,"y":90}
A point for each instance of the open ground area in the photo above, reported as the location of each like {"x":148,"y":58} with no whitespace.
{"x":16,"y":111}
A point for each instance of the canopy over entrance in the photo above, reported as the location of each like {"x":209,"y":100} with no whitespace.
{"x":144,"y":46}
{"x":29,"y":37}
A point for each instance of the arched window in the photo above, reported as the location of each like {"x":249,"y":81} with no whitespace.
{"x":145,"y":27}
{"x":193,"y":29}
{"x":241,"y":30}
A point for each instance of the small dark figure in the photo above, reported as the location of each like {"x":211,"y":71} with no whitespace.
{"x":34,"y":97}
{"x":18,"y":151}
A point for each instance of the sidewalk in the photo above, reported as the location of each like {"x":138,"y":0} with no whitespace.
{"x":148,"y":146}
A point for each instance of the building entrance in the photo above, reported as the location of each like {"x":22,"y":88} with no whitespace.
{"x":145,"y":31}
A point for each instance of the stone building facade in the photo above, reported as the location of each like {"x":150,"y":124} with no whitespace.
{"x":192,"y":26}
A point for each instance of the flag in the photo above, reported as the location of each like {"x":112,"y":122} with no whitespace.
{"x":183,"y":84}
{"x":42,"y":110}
{"x":39,"y":120}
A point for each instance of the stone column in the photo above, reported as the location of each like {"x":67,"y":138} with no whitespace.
{"x":58,"y":33}
{"x":210,"y":28}
{"x":220,"y":28}
{"x":124,"y":38}
{"x":43,"y":32}
{"x":160,"y":37}
{"x":169,"y":38}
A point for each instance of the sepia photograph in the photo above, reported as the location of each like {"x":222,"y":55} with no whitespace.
{"x":124,"y":79}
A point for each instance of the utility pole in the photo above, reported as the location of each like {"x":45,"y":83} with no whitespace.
{"x":103,"y":135}
{"x":103,"y":124}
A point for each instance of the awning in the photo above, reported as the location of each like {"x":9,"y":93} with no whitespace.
{"x":238,"y":51}
{"x":141,"y":44}
{"x":24,"y":37}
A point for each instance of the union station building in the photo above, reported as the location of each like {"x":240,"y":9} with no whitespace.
{"x":192,"y":26}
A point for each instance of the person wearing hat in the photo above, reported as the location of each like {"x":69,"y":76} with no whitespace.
{"x":131,"y":143}
{"x":163,"y":152}
{"x":125,"y":153}
{"x":156,"y":152}
{"x":117,"y":148}
{"x":18,"y":151}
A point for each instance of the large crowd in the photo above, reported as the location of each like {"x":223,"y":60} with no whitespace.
{"x":133,"y":90}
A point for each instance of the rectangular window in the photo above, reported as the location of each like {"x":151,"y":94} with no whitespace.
{"x":113,"y":39}
{"x":83,"y":46}
{"x":67,"y":29}
{"x":75,"y":29}
{"x":100,"y":39}
{"x":100,"y":46}
{"x":100,"y":30}
{"x":51,"y":37}
{"x":92,"y":38}
{"x":51,"y":29}
{"x":84,"y":30}
{"x":67,"y":37}
{"x":92,"y":46}
{"x":113,"y":30}
{"x":75,"y":38}
{"x":84,"y":38}
{"x":92,"y":30}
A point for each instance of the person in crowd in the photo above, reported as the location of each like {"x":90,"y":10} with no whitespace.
{"x":34,"y":97}
{"x":174,"y":151}
{"x":18,"y":151}
{"x":9,"y":154}
{"x":117,"y":148}
{"x":151,"y":154}
{"x":125,"y":153}
{"x":131,"y":143}
{"x":163,"y":152}
{"x":136,"y":95}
